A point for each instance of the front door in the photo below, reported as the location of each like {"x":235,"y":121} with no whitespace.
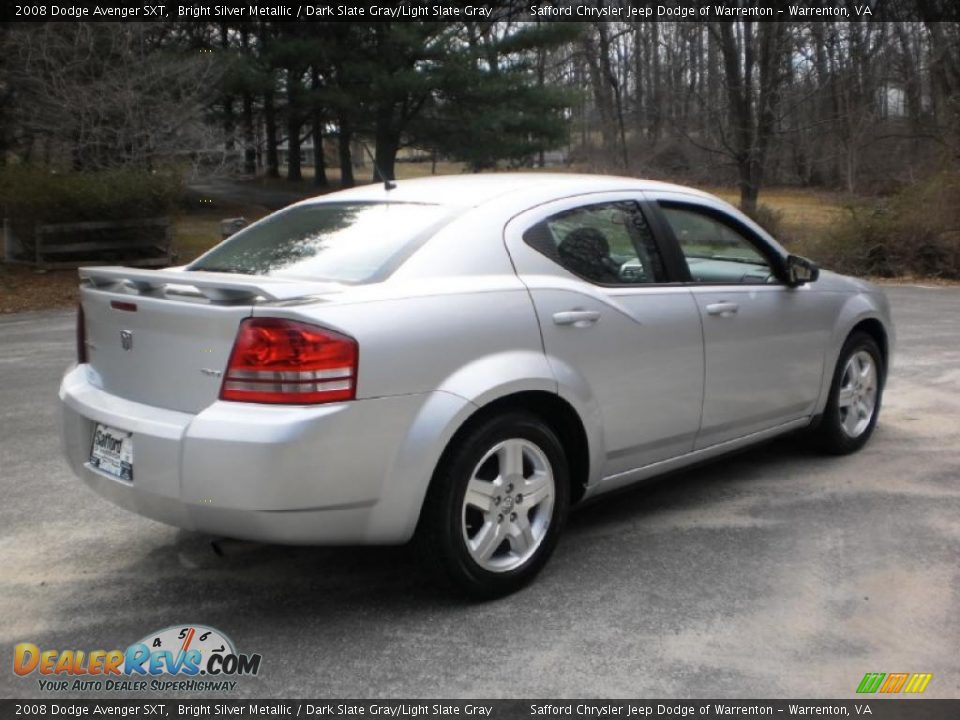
{"x":764,"y":341}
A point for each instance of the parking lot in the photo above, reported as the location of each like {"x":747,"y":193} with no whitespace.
{"x":777,"y":572}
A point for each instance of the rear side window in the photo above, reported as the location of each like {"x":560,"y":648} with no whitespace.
{"x":606,"y":244}
{"x":345,"y":242}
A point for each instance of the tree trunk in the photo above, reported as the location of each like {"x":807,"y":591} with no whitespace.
{"x":293,"y":125}
{"x":638,"y":117}
{"x":749,"y":192}
{"x":823,"y":163}
{"x":656,"y":92}
{"x":599,"y":80}
{"x":269,"y":112}
{"x":541,"y":76}
{"x":754,"y":76}
{"x":270,"y":121}
{"x":911,"y":77}
{"x":344,"y":138}
{"x":316,"y":121}
{"x":229,"y":124}
{"x":229,"y":119}
{"x":249,"y":145}
{"x":387,"y":145}
{"x":385,"y":154}
{"x":385,"y":157}
{"x":944,"y":74}
{"x":611,"y":78}
{"x":249,"y":142}
{"x":319,"y":161}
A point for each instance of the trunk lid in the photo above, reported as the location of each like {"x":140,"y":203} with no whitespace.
{"x":164,"y":337}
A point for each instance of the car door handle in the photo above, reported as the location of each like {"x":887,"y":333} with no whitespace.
{"x":577,"y":318}
{"x":723,"y":309}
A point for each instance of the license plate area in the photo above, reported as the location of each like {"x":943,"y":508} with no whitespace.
{"x":112,"y":452}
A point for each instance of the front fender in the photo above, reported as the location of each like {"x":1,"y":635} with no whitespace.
{"x":857,"y":308}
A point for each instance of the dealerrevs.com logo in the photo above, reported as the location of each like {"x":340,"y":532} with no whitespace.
{"x":177,"y":658}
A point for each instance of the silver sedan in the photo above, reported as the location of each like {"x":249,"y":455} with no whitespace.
{"x":460,"y":360}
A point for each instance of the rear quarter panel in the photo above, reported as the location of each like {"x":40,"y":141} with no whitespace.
{"x":459,"y":345}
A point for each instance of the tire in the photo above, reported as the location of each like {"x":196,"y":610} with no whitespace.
{"x":495,"y":541}
{"x":855,"y":396}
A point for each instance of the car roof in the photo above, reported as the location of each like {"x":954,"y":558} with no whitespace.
{"x":472,"y":190}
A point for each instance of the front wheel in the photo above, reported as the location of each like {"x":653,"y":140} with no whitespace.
{"x":854,"y":402}
{"x":496,"y":506}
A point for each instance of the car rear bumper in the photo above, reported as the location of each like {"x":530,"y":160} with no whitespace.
{"x":343,"y":473}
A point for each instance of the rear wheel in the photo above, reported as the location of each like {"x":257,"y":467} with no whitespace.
{"x":496,"y":506}
{"x":854,"y":403}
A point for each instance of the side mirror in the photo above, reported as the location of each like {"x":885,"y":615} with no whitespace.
{"x":800,"y":270}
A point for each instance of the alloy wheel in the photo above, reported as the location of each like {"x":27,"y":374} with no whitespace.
{"x":508,"y":505}
{"x":857,"y":400}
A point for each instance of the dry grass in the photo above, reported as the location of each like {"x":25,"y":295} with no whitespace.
{"x":193,"y":235}
{"x":805,"y":215}
{"x":409,"y":170}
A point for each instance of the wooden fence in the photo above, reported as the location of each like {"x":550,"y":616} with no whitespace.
{"x":142,"y":242}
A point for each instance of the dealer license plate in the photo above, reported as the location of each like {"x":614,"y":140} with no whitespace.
{"x":112,"y":452}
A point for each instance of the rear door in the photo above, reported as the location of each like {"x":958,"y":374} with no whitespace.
{"x":614,"y":327}
{"x":764,"y":341}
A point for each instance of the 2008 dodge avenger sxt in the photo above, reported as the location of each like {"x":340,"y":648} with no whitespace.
{"x":459,"y":360}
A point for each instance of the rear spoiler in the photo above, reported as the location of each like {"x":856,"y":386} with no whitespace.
{"x":217,"y":287}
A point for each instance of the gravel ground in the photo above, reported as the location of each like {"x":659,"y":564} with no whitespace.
{"x":776,"y":572}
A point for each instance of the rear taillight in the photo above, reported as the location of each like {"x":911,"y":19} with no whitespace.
{"x":282,"y":361}
{"x":81,"y":336}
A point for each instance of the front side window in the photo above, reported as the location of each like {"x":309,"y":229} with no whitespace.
{"x":346,"y":242}
{"x":607,"y":244}
{"x":715,"y":252}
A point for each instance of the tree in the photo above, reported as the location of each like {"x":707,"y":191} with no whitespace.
{"x":6,"y":97}
{"x":491,"y":102}
{"x":108,"y":94}
{"x":246,"y":83}
{"x":265,"y":34}
{"x":317,"y":122}
{"x":341,"y":88}
{"x":755,"y":62}
{"x":595,"y":46}
{"x":944,"y":42}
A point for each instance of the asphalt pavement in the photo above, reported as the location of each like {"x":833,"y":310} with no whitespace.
{"x":775,"y":573}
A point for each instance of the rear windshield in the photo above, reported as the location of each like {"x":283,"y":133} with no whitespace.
{"x":345,"y":242}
